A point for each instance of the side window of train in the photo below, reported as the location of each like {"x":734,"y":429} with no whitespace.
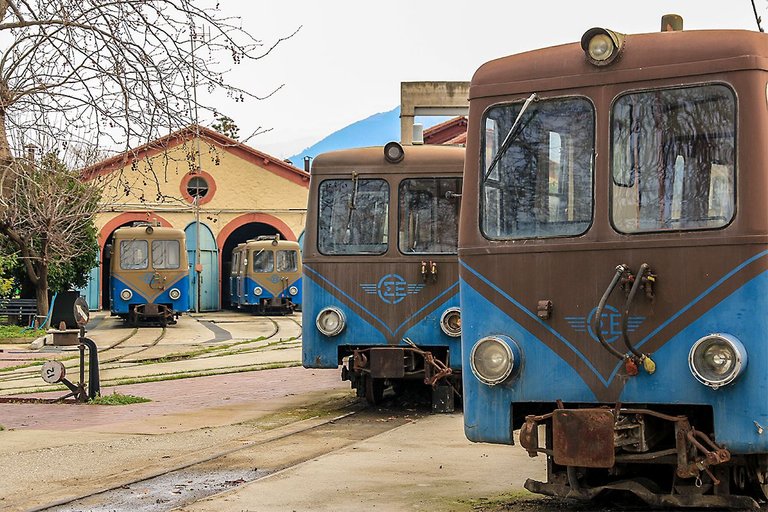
{"x":428,"y":218}
{"x":673,"y":159}
{"x":263,"y":261}
{"x":134,"y":254}
{"x":287,"y":261}
{"x":166,"y":254}
{"x":353,"y":216}
{"x":538,"y":169}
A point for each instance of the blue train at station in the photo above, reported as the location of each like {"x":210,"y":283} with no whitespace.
{"x":266,"y":276}
{"x":149,"y":274}
{"x":381,"y":291}
{"x":614,"y":264}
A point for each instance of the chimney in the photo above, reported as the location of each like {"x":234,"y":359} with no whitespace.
{"x":418,"y":134}
{"x":307,"y":167}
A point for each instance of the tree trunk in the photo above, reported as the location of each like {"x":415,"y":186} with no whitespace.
{"x":41,"y":295}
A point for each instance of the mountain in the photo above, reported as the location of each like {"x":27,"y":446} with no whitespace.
{"x":375,"y":130}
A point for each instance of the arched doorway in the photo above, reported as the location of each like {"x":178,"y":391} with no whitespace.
{"x":239,"y":235}
{"x":204,"y":292}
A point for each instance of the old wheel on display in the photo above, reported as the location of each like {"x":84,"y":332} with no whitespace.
{"x":374,"y":390}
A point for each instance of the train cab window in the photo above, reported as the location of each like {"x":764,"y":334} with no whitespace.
{"x":538,"y":167}
{"x":429,"y":215}
{"x":134,"y":254}
{"x":166,"y":254}
{"x":353,"y":216}
{"x":673,"y":159}
{"x":287,"y":261}
{"x":263,"y":261}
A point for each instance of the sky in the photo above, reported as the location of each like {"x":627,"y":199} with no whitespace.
{"x":349,"y":57}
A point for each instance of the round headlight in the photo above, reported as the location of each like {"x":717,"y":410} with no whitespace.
{"x":293,"y":290}
{"x":450,"y":322}
{"x":717,"y":359}
{"x":493,"y":359}
{"x":602,"y":46}
{"x":393,"y":152}
{"x":126,"y":294}
{"x":330,"y":321}
{"x":258,"y":290}
{"x":174,"y":293}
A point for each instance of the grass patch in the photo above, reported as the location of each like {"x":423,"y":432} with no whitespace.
{"x":12,"y":333}
{"x":2,"y":428}
{"x":118,"y":399}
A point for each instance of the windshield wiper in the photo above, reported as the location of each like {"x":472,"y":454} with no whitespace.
{"x":509,"y":138}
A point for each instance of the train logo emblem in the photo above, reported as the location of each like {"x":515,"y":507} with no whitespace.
{"x":610,"y":324}
{"x":392,"y":288}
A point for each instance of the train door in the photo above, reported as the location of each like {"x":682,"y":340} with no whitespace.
{"x":204,"y":279}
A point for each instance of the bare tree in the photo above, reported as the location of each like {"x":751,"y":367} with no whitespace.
{"x":50,"y":218}
{"x":112,"y":73}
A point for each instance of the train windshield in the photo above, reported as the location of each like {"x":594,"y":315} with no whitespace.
{"x":353,"y":216}
{"x":134,"y":254}
{"x":540,"y":184}
{"x":287,"y":261}
{"x":166,"y":254}
{"x":429,"y":215}
{"x":263,"y":261}
{"x":673,"y":159}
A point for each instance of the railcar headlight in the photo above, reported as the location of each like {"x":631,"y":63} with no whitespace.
{"x":450,"y":322}
{"x":393,"y":152}
{"x":293,"y":290}
{"x":330,"y":321}
{"x":494,"y":358}
{"x":717,"y":359}
{"x":258,"y":290}
{"x":602,"y":46}
{"x":126,"y":294}
{"x":174,"y":293}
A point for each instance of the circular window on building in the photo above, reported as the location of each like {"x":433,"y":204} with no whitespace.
{"x":198,"y":187}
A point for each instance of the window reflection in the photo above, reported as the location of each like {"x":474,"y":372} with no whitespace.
{"x":353,"y":216}
{"x":542,"y":183}
{"x":429,"y":215}
{"x":673,"y":159}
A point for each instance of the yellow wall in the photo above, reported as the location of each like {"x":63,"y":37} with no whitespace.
{"x":243,"y":185}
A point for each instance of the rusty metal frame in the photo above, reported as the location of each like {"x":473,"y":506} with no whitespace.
{"x":695,"y":452}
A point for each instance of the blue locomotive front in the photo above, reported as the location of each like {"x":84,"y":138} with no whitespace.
{"x":613,"y":262}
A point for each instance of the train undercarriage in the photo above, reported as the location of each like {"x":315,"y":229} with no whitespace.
{"x":372,"y":370}
{"x":663,"y":458}
{"x":161,"y":314}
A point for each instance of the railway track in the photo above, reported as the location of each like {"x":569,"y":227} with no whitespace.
{"x":128,"y":352}
{"x":187,"y":479}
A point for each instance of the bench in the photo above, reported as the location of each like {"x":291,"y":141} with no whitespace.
{"x":17,"y":309}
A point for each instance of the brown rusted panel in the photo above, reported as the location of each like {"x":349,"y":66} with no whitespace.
{"x":387,"y":363}
{"x":583,"y":437}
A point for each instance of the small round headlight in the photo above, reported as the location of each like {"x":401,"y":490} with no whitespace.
{"x":493,"y":359}
{"x":126,"y":294}
{"x":330,"y":321}
{"x":717,"y":359}
{"x":258,"y":290}
{"x":393,"y":152}
{"x":293,"y":290}
{"x":450,"y":322}
{"x":174,"y":293}
{"x":602,"y":46}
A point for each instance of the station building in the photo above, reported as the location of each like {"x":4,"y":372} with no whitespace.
{"x":219,"y":191}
